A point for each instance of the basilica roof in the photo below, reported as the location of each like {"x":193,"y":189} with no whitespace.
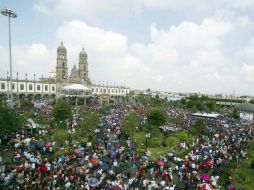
{"x":83,"y":52}
{"x":61,"y":47}
{"x":74,"y":68}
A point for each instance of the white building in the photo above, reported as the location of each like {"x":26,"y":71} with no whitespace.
{"x":59,"y":77}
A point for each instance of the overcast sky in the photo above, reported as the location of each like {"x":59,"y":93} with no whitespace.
{"x":202,"y":46}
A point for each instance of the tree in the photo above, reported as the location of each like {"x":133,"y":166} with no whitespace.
{"x":234,"y":114}
{"x":182,"y":135}
{"x":172,"y":141}
{"x":198,"y":128}
{"x":91,"y":120}
{"x":156,"y":102}
{"x":61,"y":111}
{"x":183,"y":101}
{"x":26,"y":105}
{"x":177,"y":120}
{"x":130,"y":122}
{"x":156,"y":117}
{"x":211,"y":106}
{"x":190,"y":104}
{"x":9,"y":120}
{"x":141,"y":98}
{"x":252,"y":164}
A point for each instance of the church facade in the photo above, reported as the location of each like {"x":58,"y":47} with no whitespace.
{"x":60,"y":77}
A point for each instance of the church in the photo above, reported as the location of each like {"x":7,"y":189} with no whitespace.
{"x":61,"y":83}
{"x":79,"y":75}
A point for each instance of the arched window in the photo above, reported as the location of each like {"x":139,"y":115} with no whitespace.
{"x":63,"y":74}
{"x":63,"y":64}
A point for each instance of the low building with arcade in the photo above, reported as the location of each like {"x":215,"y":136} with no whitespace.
{"x":59,"y":78}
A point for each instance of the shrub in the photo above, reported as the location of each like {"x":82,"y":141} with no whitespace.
{"x":164,"y":143}
{"x":198,"y":128}
{"x":252,"y":164}
{"x":182,"y":135}
{"x":173,"y":141}
{"x":156,"y":117}
{"x":154,"y":141}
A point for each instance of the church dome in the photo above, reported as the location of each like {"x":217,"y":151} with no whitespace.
{"x":61,"y":47}
{"x":83,"y":52}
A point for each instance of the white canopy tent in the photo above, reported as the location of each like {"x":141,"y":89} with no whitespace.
{"x":206,"y":115}
{"x":76,"y":87}
{"x":76,"y":90}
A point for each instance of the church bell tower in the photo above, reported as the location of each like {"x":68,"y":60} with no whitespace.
{"x":61,"y":63}
{"x":83,"y":66}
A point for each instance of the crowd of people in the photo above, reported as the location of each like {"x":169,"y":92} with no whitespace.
{"x":110,"y":159}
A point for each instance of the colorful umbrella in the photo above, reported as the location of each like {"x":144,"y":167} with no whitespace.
{"x":77,"y":151}
{"x":112,"y":154}
{"x":145,"y":157}
{"x":104,"y":166}
{"x":81,"y":171}
{"x":33,"y":146}
{"x":117,"y":145}
{"x":132,"y":151}
{"x":81,"y":148}
{"x":48,"y":144}
{"x":206,"y":186}
{"x":231,"y":187}
{"x":205,"y":177}
{"x":41,"y":144}
{"x":161,"y":163}
{"x":93,"y":181}
{"x":170,"y":154}
{"x":115,"y":188}
{"x":93,"y":160}
{"x":105,"y":159}
{"x":43,"y":168}
{"x":62,"y":158}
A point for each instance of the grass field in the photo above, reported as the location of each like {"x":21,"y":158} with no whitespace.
{"x":244,"y":176}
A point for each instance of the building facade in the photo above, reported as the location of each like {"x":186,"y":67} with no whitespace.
{"x":60,"y":77}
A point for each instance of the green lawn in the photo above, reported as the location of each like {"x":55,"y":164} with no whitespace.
{"x":244,"y":176}
{"x":158,"y":151}
{"x":159,"y":145}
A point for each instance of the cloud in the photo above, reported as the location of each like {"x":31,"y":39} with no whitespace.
{"x":241,"y":4}
{"x":247,"y":71}
{"x":36,"y":58}
{"x":154,"y":53}
{"x":247,"y":53}
{"x":110,"y":57}
{"x":196,"y":56}
{"x":89,"y":8}
{"x":95,"y":39}
{"x":191,"y":35}
{"x":247,"y":68}
{"x":104,"y":48}
{"x":84,"y":8}
{"x":132,"y":63}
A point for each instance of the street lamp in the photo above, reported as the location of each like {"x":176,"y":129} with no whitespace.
{"x":11,"y":14}
{"x":148,"y":136}
{"x":69,"y":135}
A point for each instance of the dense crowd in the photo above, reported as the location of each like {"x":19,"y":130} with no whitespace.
{"x":110,"y":160}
